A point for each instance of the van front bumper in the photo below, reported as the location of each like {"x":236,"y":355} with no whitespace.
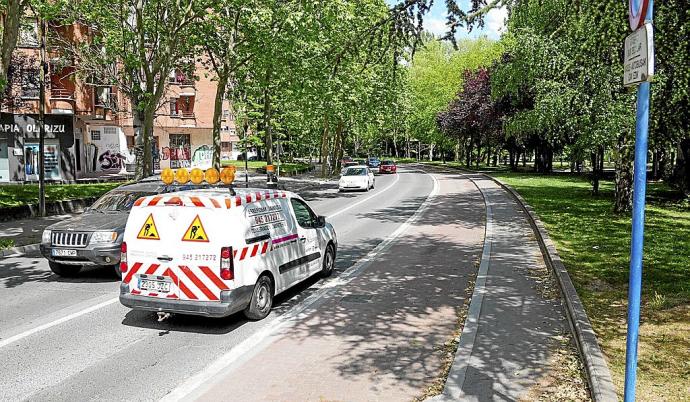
{"x":231,"y":302}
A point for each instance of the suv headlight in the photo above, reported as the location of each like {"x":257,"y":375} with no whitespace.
{"x":45,"y":239}
{"x":103,"y":237}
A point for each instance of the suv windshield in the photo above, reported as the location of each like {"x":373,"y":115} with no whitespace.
{"x":118,"y":201}
{"x":355,"y":172}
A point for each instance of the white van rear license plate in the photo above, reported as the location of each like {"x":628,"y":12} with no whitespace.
{"x":154,"y":286}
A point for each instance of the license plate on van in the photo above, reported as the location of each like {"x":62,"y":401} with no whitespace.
{"x":154,"y":285}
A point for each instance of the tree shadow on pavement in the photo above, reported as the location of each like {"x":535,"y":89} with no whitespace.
{"x":16,"y":271}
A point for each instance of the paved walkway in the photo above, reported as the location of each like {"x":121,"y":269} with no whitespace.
{"x":521,"y":331}
{"x":381,"y":336}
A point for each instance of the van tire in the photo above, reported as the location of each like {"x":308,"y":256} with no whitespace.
{"x":328,"y":261}
{"x":64,"y":270}
{"x":262,"y":299}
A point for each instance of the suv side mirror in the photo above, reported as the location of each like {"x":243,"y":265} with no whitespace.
{"x":320,"y":221}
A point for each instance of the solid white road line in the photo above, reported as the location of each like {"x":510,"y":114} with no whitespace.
{"x":47,"y":325}
{"x":95,"y":307}
{"x":207,"y":376}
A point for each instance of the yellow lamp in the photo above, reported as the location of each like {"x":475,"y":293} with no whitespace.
{"x":227,"y":175}
{"x":167,"y":176}
{"x":197,"y":176}
{"x":212,"y":176}
{"x":182,"y":176}
{"x":232,"y":168}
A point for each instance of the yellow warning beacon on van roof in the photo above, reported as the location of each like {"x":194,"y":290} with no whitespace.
{"x":198,"y":176}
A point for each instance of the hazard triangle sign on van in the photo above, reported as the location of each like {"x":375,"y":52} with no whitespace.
{"x":148,"y":231}
{"x":195,"y":232}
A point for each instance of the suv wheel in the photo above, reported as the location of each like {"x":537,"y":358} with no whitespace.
{"x":262,"y":299}
{"x":64,"y":270}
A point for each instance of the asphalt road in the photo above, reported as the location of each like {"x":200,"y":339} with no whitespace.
{"x":70,"y":339}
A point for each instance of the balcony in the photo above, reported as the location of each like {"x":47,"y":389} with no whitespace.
{"x":187,"y":115}
{"x":61,"y":93}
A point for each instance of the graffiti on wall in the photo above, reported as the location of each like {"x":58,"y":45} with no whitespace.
{"x":108,"y":160}
{"x":202,"y":156}
{"x":107,"y":151}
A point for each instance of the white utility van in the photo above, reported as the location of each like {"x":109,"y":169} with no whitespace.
{"x":216,"y":252}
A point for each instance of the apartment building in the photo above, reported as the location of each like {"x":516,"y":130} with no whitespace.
{"x":89,"y":131}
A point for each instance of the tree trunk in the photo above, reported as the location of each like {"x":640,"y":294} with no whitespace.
{"x":148,"y":141}
{"x":431,"y":152}
{"x":138,"y":119}
{"x":624,"y":175}
{"x":217,"y":116}
{"x":338,"y":145}
{"x":468,"y":153}
{"x":682,"y":169}
{"x":267,"y":120}
{"x":9,"y":24}
{"x":595,"y":173}
{"x":324,"y":149}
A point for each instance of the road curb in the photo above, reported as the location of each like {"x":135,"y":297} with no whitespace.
{"x":19,"y":250}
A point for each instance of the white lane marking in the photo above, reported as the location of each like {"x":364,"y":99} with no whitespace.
{"x":47,"y":325}
{"x":273,"y":329}
{"x":397,"y":178}
{"x":95,"y":307}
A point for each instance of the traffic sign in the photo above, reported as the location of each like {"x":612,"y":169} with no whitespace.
{"x":639,"y":56}
{"x":637,"y":11}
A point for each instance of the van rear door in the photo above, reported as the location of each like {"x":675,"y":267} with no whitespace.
{"x":174,"y":250}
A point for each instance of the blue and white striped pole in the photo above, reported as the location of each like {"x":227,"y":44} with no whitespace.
{"x":639,"y":193}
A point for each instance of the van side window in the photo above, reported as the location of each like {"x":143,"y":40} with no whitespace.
{"x":305,"y":217}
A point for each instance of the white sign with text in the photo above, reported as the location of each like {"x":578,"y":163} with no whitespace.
{"x":639,"y":56}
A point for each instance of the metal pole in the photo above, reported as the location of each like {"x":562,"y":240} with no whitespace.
{"x":246,"y":159}
{"x":41,"y":120}
{"x":639,"y":192}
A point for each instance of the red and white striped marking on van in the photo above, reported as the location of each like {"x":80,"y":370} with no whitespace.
{"x":201,"y":284}
{"x":208,"y":201}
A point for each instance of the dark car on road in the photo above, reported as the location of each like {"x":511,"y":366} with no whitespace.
{"x":94,"y":237}
{"x":374,"y":164}
{"x":388,"y":166}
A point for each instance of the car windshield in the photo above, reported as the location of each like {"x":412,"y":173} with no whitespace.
{"x":355,"y":172}
{"x":118,"y":201}
{"x":388,"y":163}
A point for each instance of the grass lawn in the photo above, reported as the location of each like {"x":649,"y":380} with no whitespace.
{"x":20,"y":194}
{"x":594,"y":244}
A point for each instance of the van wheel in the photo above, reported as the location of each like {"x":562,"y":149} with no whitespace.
{"x":64,"y":270}
{"x":328,"y":261}
{"x":262,"y":299}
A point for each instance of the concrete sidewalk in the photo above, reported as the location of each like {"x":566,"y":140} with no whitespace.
{"x":516,"y":343}
{"x":382,"y":335}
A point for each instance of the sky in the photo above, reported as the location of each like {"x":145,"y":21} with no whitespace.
{"x":435,"y":21}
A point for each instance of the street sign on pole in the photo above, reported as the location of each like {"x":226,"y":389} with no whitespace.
{"x":638,"y":9}
{"x":637,"y":13}
{"x":639,"y":56}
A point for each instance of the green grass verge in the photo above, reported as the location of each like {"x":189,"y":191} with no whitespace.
{"x":594,"y":244}
{"x":13,"y":195}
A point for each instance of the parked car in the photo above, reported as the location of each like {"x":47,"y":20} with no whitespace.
{"x":94,"y":237}
{"x":356,"y":178}
{"x":346,"y":159}
{"x":373,"y":164}
{"x":241,"y":156}
{"x":388,"y":166}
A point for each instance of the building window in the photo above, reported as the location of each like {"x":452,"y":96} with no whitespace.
{"x":174,"y":111}
{"x":30,"y":84}
{"x":104,"y":97}
{"x":180,"y":152}
{"x":28,"y":33}
{"x":95,"y":135}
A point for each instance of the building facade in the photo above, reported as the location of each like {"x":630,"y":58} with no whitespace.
{"x":89,"y":130}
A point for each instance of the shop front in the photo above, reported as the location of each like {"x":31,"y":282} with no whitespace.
{"x":19,"y":147}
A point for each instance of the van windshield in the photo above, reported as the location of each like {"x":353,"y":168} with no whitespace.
{"x":355,"y":172}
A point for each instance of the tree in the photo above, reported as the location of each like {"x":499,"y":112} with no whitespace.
{"x":135,"y":45}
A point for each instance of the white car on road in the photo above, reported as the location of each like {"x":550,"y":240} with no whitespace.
{"x":356,"y":178}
